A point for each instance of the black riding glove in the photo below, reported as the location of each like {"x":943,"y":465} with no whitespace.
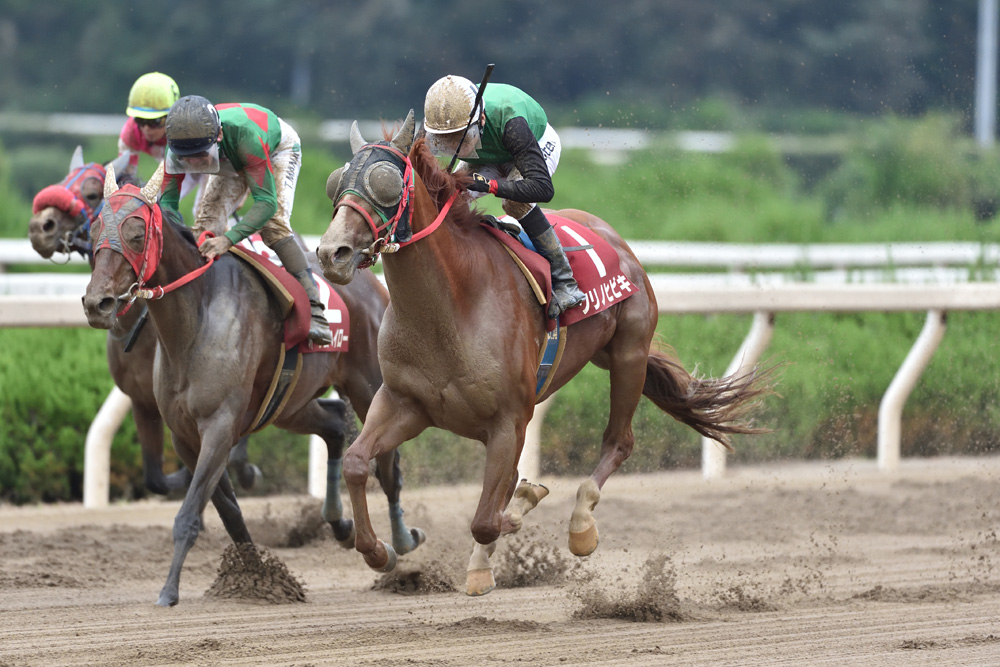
{"x":480,"y":184}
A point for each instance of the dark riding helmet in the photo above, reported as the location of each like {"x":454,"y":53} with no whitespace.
{"x":192,"y":125}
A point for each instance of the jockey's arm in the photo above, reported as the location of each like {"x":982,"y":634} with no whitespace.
{"x":536,"y":185}
{"x":170,"y":192}
{"x":264,"y":189}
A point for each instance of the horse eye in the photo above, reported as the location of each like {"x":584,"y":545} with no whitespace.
{"x":134,"y":233}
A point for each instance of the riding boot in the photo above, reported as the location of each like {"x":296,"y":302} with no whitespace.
{"x":566,"y":293}
{"x":294,"y":261}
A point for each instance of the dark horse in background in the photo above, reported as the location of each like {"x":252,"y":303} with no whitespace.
{"x":61,"y":220}
{"x":459,"y":346}
{"x":220,"y":338}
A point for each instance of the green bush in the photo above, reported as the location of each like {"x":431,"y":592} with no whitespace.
{"x":895,"y":162}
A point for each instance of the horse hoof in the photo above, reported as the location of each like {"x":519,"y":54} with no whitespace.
{"x":419,"y":537}
{"x":390,"y":561}
{"x":479,"y":582}
{"x":585,"y":542}
{"x":533,"y":493}
{"x":409,"y":541}
{"x":347,"y":530}
{"x":249,"y":476}
{"x":166,"y":600}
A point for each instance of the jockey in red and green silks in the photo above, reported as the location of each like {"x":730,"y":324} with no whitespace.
{"x":247,"y":150}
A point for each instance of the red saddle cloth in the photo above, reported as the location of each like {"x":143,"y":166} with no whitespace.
{"x":298,"y":319}
{"x":596,"y":268}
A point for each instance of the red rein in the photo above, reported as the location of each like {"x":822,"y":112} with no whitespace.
{"x":137,"y":291}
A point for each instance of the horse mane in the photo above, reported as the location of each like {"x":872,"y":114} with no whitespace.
{"x":128,"y":177}
{"x":441,"y":184}
{"x":174,"y":218}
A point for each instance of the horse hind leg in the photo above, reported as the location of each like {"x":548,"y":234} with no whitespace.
{"x":627,"y":370}
{"x":327,"y":418}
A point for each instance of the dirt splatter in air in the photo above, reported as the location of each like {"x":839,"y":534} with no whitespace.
{"x":653,"y":599}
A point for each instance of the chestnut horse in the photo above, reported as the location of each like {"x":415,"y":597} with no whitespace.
{"x":219,"y":339}
{"x":459,"y":345}
{"x":61,"y":223}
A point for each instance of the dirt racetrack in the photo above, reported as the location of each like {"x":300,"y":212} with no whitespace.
{"x":821,"y":563}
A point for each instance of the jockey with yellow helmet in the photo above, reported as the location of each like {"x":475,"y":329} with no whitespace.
{"x":514,"y":152}
{"x":150,"y":99}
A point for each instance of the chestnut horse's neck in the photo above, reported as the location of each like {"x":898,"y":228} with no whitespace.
{"x":427,"y":278}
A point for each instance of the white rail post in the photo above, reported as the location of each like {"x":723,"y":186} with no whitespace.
{"x":529,"y":466}
{"x":97,"y":450}
{"x":317,"y":460}
{"x":713,"y":455}
{"x":890,"y":409}
{"x":317,"y":467}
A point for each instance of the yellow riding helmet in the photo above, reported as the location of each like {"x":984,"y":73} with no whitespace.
{"x":151,"y":96}
{"x":448,"y":104}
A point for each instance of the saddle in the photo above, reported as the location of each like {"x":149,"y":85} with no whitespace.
{"x":594,"y":262}
{"x":596,"y":270}
{"x":294,"y":307}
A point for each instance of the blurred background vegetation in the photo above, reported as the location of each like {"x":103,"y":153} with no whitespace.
{"x":890,"y":84}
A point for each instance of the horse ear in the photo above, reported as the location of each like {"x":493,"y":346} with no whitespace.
{"x":76,"y":161}
{"x":357,"y":141}
{"x":122,"y":165}
{"x":150,"y":190}
{"x":110,"y":184}
{"x":333,"y":184}
{"x":404,"y":138}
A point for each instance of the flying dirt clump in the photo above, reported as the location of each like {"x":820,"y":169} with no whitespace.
{"x":653,"y":599}
{"x":251,"y":573}
{"x":416,"y":579}
{"x":529,"y":561}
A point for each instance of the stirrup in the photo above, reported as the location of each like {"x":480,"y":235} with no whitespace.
{"x":319,"y":328}
{"x":320,"y":336}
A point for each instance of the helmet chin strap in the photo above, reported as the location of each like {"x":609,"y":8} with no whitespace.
{"x":472,"y":114}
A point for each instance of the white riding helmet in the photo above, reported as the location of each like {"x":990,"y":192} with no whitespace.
{"x":448,"y":105}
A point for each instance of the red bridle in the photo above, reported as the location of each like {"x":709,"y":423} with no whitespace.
{"x":384,"y":232}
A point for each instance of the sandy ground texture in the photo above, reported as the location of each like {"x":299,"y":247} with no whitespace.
{"x":818,"y":564}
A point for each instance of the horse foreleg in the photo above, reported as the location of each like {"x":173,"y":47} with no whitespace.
{"x":209,"y":466}
{"x":247,"y":474}
{"x":479,"y":578}
{"x":389,"y":423}
{"x":224,"y":499}
{"x":390,"y":478}
{"x":479,"y":575}
{"x":149,"y":430}
{"x":627,"y":369}
{"x":526,"y":498}
{"x":498,"y":487}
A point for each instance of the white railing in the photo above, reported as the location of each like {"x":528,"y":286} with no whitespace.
{"x":728,"y":256}
{"x":937,"y":288}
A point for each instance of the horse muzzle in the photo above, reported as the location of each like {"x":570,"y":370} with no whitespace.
{"x":101,"y":309}
{"x":339,"y":263}
{"x":43,"y":232}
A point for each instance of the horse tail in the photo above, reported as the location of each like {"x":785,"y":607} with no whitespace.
{"x":714,"y":407}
